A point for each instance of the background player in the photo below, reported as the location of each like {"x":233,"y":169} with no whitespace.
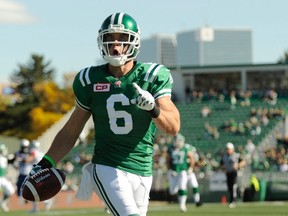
{"x":177,"y":157}
{"x":5,"y":184}
{"x":23,"y":161}
{"x":127,"y":100}
{"x":192,"y":180}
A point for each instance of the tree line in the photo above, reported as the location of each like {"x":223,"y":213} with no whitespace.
{"x":37,"y":101}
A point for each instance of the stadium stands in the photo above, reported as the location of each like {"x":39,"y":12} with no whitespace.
{"x":210,"y":134}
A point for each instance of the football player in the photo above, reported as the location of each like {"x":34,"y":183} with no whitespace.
{"x":23,"y":161}
{"x":127,"y":101}
{"x":192,"y":180}
{"x":6,"y":185}
{"x":177,"y":157}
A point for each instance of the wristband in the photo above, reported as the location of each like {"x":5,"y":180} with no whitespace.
{"x":47,"y":162}
{"x":155,"y":112}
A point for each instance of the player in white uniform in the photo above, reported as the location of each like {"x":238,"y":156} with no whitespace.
{"x":192,"y":180}
{"x":23,"y":161}
{"x":5,"y":184}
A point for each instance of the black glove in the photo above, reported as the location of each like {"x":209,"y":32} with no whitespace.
{"x":46,"y":162}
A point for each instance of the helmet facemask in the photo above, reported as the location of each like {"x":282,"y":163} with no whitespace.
{"x":129,"y":47}
{"x":122,"y":24}
{"x":179,"y":141}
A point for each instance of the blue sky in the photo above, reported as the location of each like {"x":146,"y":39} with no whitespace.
{"x":65,"y":31}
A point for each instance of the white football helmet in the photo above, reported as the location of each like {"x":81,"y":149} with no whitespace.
{"x":35,"y":144}
{"x":24,"y":143}
{"x":179,"y":141}
{"x":3,"y":149}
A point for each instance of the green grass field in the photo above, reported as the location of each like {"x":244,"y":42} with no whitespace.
{"x":164,"y":209}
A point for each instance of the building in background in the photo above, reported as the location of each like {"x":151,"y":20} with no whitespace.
{"x":208,"y":46}
{"x":200,"y":47}
{"x":160,"y":48}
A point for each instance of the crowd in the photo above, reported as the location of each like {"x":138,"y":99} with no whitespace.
{"x":234,"y":96}
{"x":252,"y":125}
{"x":262,"y":159}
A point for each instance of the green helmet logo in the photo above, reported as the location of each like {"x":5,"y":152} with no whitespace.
{"x":119,"y":23}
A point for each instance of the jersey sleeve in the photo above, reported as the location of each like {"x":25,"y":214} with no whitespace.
{"x":163,"y":83}
{"x":79,"y":87}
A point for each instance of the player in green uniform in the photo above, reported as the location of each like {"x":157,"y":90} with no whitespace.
{"x":127,"y":100}
{"x":178,"y":156}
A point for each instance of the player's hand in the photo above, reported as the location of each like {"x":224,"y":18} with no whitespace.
{"x":172,"y":173}
{"x":144,"y":99}
{"x":190,"y":170}
{"x":36,"y":168}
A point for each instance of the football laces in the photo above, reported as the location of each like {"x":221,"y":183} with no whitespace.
{"x":38,"y":173}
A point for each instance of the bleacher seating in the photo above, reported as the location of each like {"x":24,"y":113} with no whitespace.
{"x":192,"y":123}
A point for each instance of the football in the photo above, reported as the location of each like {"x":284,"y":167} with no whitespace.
{"x":43,"y":185}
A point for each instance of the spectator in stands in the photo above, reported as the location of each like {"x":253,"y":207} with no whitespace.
{"x":233,"y":125}
{"x":250,"y":146}
{"x":246,"y":99}
{"x":271,"y":97}
{"x":200,"y":96}
{"x":250,"y":149}
{"x":212,"y":95}
{"x":248,"y":125}
{"x":205,"y":111}
{"x":279,"y":113}
{"x":241,"y":130}
{"x":283,"y":164}
{"x":231,"y":162}
{"x":233,"y":100}
{"x":264,"y":120}
{"x":188,"y":95}
{"x":256,"y":129}
{"x":194,"y":96}
{"x":221,"y":97}
{"x":211,"y":131}
{"x":225,"y":126}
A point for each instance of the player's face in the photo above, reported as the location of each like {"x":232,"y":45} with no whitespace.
{"x":179,"y":144}
{"x":229,"y":151}
{"x":117,"y":43}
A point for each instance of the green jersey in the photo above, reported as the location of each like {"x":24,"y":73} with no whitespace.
{"x":3,"y":165}
{"x":124,"y":133}
{"x":179,"y":158}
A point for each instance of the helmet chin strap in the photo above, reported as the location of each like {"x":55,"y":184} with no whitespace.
{"x":116,"y":61}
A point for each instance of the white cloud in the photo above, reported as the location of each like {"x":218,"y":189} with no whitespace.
{"x":14,"y":12}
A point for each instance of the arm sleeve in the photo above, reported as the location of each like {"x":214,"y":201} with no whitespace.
{"x":79,"y":88}
{"x":163,"y":83}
